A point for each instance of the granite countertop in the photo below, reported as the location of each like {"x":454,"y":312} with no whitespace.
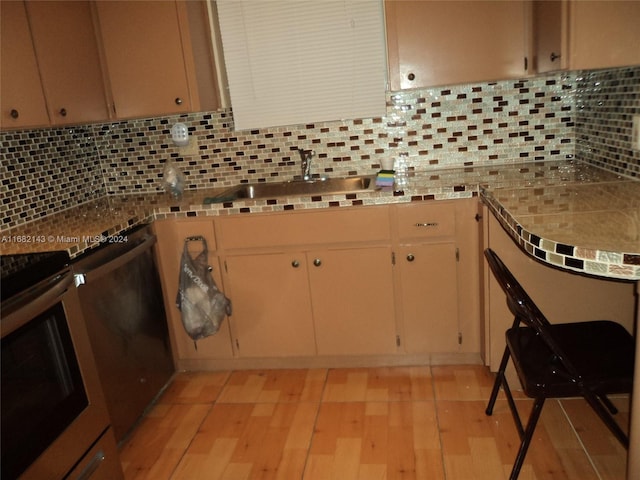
{"x":567,"y":214}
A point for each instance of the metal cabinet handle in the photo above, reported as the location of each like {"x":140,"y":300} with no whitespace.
{"x":554,"y":56}
{"x":14,"y":113}
{"x":178,"y":101}
{"x":411,"y":76}
{"x":63,"y":112}
{"x":410,"y":257}
{"x":427,"y":224}
{"x":93,"y":465}
{"x":317,"y":262}
{"x":295,"y":264}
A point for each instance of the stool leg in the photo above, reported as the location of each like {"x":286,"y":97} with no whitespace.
{"x":608,"y":420}
{"x":607,"y":403}
{"x":498,"y":382}
{"x":524,"y":446}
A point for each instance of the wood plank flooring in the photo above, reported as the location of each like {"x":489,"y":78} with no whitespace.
{"x":361,"y":424}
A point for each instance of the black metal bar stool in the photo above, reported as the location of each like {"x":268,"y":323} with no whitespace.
{"x":590,"y":359}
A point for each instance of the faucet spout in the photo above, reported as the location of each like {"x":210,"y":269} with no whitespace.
{"x":306,"y":156}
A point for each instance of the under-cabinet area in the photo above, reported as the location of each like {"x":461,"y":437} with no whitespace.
{"x":561,"y":295}
{"x":352,"y":286}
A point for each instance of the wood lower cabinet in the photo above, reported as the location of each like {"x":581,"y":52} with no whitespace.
{"x":319,"y":302}
{"x":437,"y":277}
{"x":347,"y":286}
{"x":429,"y":277}
{"x":352,"y":296}
{"x":171,"y":235}
{"x":310,"y":283}
{"x":271,"y":304}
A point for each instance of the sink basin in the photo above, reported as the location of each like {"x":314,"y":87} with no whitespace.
{"x":327,"y":186}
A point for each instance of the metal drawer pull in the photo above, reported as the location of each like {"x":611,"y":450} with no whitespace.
{"x":430,"y":224}
{"x":93,"y":465}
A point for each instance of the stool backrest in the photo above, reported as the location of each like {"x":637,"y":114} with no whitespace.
{"x":526,"y":311}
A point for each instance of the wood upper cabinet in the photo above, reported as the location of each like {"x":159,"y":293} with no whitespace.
{"x":51,"y":72}
{"x":448,"y":42}
{"x":67,"y":51}
{"x":22,"y":100}
{"x":144,"y":56}
{"x":578,"y":35}
{"x":149,"y":57}
{"x":548,"y":17}
{"x":171,"y":235}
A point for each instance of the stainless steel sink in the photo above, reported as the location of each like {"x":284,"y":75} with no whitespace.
{"x":327,"y":186}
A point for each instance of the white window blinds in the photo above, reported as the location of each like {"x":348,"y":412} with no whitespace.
{"x":303,"y":61}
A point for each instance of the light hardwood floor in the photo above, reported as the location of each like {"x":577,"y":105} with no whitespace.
{"x":361,"y":424}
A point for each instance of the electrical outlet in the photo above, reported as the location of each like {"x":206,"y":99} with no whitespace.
{"x":635,"y":133}
{"x":190,"y":150}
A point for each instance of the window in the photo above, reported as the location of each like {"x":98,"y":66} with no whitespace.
{"x":303,"y":61}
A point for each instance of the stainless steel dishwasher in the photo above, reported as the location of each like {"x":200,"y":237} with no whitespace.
{"x":122,"y":303}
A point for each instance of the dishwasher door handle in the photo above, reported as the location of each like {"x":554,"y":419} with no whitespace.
{"x":115,"y":262}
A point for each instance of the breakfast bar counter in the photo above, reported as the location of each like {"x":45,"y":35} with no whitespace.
{"x":589,"y":228}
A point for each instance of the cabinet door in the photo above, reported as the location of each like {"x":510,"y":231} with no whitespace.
{"x":603,"y":34}
{"x":143,"y":50}
{"x":582,"y":35}
{"x":23,"y":102}
{"x":171,"y":235}
{"x":449,"y":42}
{"x":69,"y":61}
{"x":549,"y":21}
{"x":428,"y":276}
{"x":271,"y":304}
{"x":353,"y":309}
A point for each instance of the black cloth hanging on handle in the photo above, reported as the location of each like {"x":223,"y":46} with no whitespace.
{"x":202,"y":304}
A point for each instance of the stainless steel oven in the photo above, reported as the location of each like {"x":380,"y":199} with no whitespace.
{"x":55,"y":423}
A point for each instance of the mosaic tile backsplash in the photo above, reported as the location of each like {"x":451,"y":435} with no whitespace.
{"x":583,"y":114}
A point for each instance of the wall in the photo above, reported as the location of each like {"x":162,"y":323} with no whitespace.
{"x":534,"y":119}
{"x":606,"y":101}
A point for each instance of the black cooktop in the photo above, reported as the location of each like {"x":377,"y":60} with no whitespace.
{"x":21,"y":271}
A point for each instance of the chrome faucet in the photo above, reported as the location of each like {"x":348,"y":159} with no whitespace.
{"x":306,"y":156}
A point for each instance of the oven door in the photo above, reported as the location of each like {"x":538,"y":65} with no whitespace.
{"x":53,"y":408}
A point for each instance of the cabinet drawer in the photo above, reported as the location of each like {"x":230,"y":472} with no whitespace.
{"x":303,"y":228}
{"x":434,"y":219}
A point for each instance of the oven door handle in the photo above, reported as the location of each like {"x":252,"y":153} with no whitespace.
{"x":32,"y":303}
{"x":114,"y":262}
